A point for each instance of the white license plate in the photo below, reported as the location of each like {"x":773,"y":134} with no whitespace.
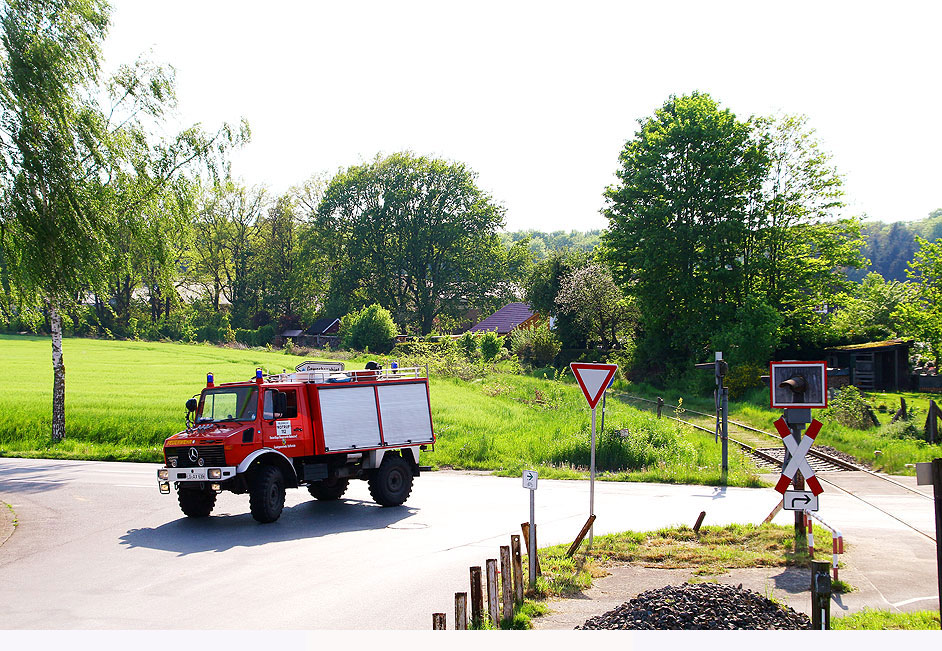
{"x":192,"y":474}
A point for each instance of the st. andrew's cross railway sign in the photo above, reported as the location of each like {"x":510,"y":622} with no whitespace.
{"x":798,"y":460}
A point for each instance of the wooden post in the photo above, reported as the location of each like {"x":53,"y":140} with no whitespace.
{"x":932,"y":425}
{"x":525,"y":528}
{"x":578,"y":540}
{"x":461,"y":611}
{"x":937,"y":493}
{"x":518,"y":567}
{"x":820,"y":595}
{"x":901,"y":412}
{"x":477,"y":598}
{"x":696,"y":527}
{"x":660,"y":403}
{"x":506,"y":583}
{"x":438,"y":621}
{"x":491,"y":565}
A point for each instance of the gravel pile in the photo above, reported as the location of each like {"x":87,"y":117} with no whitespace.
{"x":827,"y":449}
{"x":699,"y":606}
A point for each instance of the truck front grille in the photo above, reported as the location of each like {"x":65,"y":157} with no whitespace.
{"x":212,"y":455}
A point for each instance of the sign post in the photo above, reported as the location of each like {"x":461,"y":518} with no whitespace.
{"x":593,"y":379}
{"x":530,"y":478}
{"x":798,"y":387}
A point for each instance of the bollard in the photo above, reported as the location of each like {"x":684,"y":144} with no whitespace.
{"x":696,"y":527}
{"x":506,"y":583}
{"x":438,"y":621}
{"x":491,"y":565}
{"x":810,"y":528}
{"x":461,"y":611}
{"x":477,"y":598}
{"x":820,"y":595}
{"x":518,"y":567}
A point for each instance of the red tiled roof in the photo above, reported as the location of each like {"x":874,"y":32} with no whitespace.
{"x":505,"y":319}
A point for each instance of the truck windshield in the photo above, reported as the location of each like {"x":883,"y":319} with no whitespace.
{"x":228,"y":404}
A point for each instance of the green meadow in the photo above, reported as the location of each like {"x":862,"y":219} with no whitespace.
{"x":124,"y":397}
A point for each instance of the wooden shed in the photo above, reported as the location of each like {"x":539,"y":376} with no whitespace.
{"x":875,"y":366}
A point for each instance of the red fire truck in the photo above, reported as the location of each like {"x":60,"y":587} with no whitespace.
{"x":318,"y":427}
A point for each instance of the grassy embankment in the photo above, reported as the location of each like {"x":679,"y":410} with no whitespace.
{"x":886,"y":448}
{"x":124,"y":398}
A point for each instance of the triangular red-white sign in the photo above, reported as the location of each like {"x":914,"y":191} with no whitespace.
{"x":593,"y":379}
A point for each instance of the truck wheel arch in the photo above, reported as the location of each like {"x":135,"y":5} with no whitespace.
{"x":271,"y":457}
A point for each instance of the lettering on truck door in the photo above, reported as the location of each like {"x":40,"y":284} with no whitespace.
{"x":285,"y":433}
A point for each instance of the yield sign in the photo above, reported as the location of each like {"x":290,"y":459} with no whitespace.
{"x":798,"y":460}
{"x":593,"y":379}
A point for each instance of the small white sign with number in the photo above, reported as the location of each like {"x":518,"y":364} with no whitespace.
{"x":529,"y":479}
{"x":283,"y":429}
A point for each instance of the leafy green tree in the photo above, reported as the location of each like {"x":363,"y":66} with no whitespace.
{"x":415,"y":235}
{"x":74,"y":173}
{"x":922,"y":316}
{"x":868,"y":311}
{"x":689,"y":187}
{"x":542,"y":286}
{"x":372,"y":329}
{"x":590,"y":296}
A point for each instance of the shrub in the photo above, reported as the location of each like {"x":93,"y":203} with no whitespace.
{"x":491,"y":343}
{"x":742,"y":378}
{"x":537,"y":345}
{"x":468,"y":343}
{"x":851,"y":409}
{"x":372,"y":328}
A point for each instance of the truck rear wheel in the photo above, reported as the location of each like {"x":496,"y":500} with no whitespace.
{"x":267,"y":494}
{"x":391,"y":484}
{"x":328,"y":489}
{"x":196,"y":503}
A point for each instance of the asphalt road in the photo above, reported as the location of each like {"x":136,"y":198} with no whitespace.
{"x":97,"y":547}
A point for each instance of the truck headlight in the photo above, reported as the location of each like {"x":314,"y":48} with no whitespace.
{"x":165,"y":488}
{"x":163,"y":473}
{"x":215,"y":473}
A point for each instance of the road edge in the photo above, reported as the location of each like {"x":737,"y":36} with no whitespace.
{"x":7,"y":522}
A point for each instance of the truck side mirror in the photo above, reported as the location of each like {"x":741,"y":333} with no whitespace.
{"x":191,"y":405}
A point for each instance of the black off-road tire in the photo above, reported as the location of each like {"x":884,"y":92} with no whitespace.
{"x":196,"y":503}
{"x":391,"y":483}
{"x":328,"y":489}
{"x":266,"y":494}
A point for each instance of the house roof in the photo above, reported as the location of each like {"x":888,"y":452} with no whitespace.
{"x":876,"y":345}
{"x":505,"y":319}
{"x":321,"y":326}
{"x":291,"y":333}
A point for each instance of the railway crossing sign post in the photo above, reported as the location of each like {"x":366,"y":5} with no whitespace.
{"x":593,"y":379}
{"x":798,"y":387}
{"x":530,"y":479}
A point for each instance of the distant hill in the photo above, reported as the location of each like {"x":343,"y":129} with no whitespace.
{"x":891,"y":246}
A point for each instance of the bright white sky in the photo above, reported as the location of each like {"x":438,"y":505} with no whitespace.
{"x":539,"y":97}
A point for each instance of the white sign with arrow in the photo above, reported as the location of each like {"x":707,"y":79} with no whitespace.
{"x":529,"y":479}
{"x":800,"y":501}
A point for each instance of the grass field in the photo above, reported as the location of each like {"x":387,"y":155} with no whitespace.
{"x":124,"y":398}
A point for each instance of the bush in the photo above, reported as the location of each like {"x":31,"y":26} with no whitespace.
{"x":850,"y":409}
{"x":537,"y":345}
{"x":491,"y":343}
{"x":742,"y":378}
{"x":468,"y":343}
{"x":372,"y":329}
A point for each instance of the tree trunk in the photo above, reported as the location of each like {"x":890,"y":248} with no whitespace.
{"x":58,"y":375}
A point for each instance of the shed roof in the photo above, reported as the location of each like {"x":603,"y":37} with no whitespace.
{"x":292,"y":333}
{"x":874,"y":346}
{"x":321,"y":326}
{"x":505,"y":319}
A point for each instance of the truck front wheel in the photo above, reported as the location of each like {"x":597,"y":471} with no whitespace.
{"x":267,"y":494}
{"x":328,"y":489}
{"x":391,"y":484}
{"x":196,"y":503}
